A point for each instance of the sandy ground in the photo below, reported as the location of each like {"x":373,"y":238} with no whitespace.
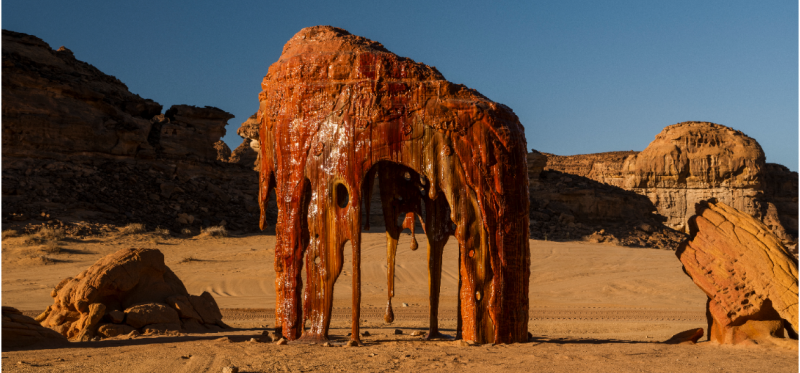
{"x":594,"y":307}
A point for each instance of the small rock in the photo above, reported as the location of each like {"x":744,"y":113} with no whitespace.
{"x":117,"y":316}
{"x":186,"y":356}
{"x":690,"y":336}
{"x":326,"y":344}
{"x":253,"y":340}
{"x":417,"y":333}
{"x":398,"y":331}
{"x":404,"y":304}
{"x":365,"y":334}
{"x":351,"y":343}
{"x":230,"y":369}
{"x":281,"y":342}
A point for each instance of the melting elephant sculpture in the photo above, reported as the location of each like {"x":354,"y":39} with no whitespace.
{"x":338,"y":110}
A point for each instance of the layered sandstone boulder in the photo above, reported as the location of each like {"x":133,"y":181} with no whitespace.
{"x":749,"y":276}
{"x":20,"y":331}
{"x":693,"y":161}
{"x":131,"y":289}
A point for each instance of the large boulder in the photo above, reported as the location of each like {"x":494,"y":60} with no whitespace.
{"x":134,"y":280}
{"x":20,"y":331}
{"x":749,"y":276}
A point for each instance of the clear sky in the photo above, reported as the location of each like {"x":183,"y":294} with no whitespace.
{"x":583,"y":76}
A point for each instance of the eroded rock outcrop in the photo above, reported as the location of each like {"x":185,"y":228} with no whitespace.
{"x":78,"y":146}
{"x":603,"y":167}
{"x":780,"y":202}
{"x":570,"y":207}
{"x":247,"y":153}
{"x":20,"y":331}
{"x":750,"y":278}
{"x":54,"y":103}
{"x":691,"y":162}
{"x":336,"y":111}
{"x":131,"y":289}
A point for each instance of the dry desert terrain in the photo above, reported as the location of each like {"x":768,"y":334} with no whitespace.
{"x":594,"y":307}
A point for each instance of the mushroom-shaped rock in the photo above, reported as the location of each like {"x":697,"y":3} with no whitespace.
{"x":749,"y":276}
{"x":338,"y":111}
{"x":134,"y":280}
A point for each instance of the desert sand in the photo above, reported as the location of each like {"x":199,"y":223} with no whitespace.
{"x":594,"y":307}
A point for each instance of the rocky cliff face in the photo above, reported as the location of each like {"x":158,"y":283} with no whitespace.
{"x":574,"y":206}
{"x":694,"y":161}
{"x":79,"y":147}
{"x":603,"y":167}
{"x":780,"y":201}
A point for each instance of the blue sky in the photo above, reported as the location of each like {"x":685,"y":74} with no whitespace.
{"x":583,"y":76}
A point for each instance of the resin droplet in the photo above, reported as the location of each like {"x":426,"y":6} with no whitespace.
{"x":389,"y":316}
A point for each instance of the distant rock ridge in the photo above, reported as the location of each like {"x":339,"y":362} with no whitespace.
{"x":694,"y":161}
{"x":78,"y":146}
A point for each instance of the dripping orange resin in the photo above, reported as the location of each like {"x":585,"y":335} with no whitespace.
{"x":338,"y":111}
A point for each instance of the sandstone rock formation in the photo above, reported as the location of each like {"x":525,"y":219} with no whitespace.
{"x":693,"y":161}
{"x":336,"y":111}
{"x":247,"y":153}
{"x":570,"y":207}
{"x":20,"y":331}
{"x":780,"y":202}
{"x":79,"y":147}
{"x":603,"y":167}
{"x":131,"y":289}
{"x":749,"y":276}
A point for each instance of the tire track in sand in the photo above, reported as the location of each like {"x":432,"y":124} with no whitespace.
{"x":535,"y":313}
